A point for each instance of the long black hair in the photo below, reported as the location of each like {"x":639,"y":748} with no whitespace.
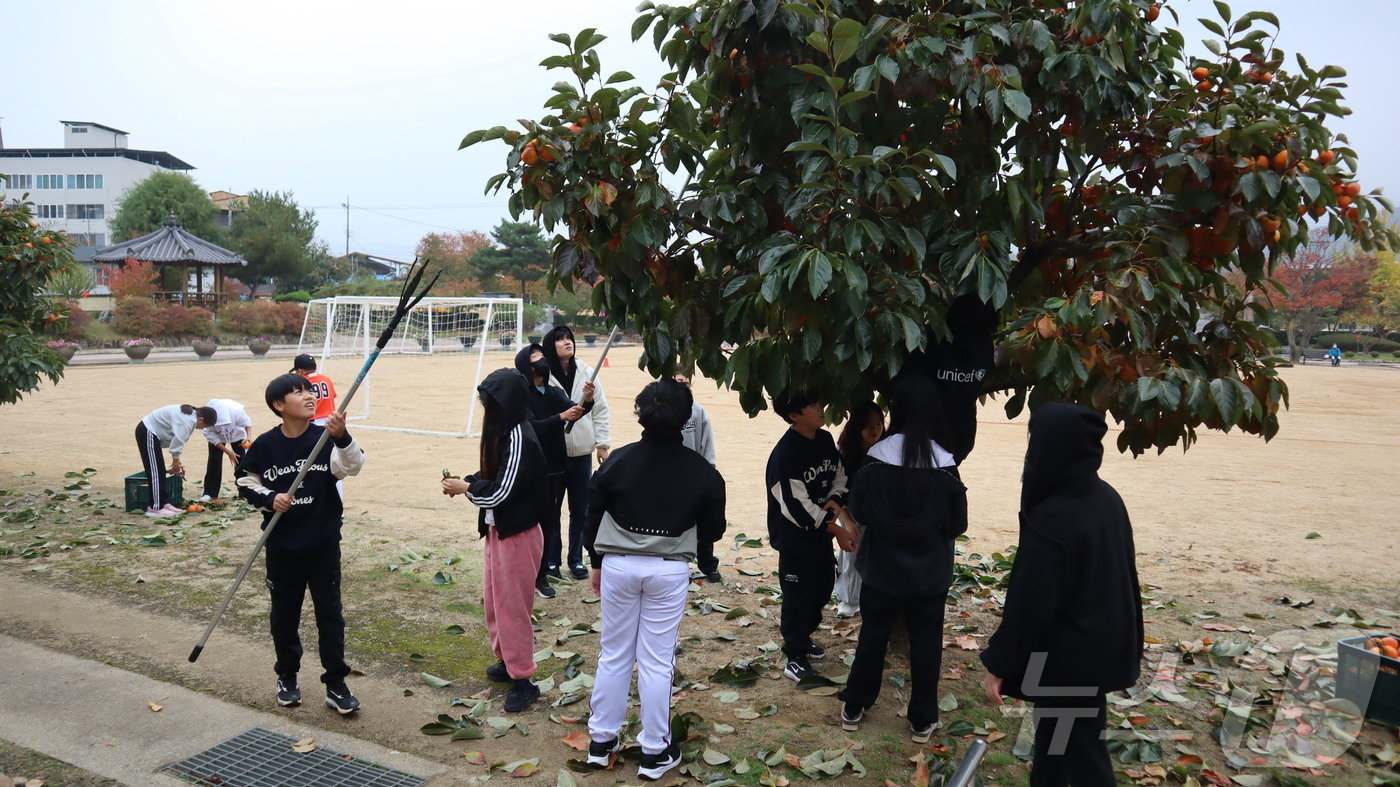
{"x":849,"y":443}
{"x":493,"y":428}
{"x":916,"y":412}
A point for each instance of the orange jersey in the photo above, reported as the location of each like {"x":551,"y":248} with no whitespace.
{"x":324,"y":389}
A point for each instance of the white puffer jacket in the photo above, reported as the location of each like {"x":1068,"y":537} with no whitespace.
{"x":592,"y":431}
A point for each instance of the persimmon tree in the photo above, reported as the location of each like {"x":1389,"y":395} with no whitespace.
{"x":815,"y":181}
{"x":29,"y":257}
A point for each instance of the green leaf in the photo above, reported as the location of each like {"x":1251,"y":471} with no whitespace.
{"x":845,"y":39}
{"x":818,"y":275}
{"x":470,"y":733}
{"x":801,"y":9}
{"x":434,"y":681}
{"x":1019,"y":103}
{"x":455,"y":629}
{"x":620,"y":76}
{"x":441,"y":579}
{"x":437,"y":728}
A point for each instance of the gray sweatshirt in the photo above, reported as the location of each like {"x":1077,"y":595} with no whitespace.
{"x":697,"y":434}
{"x":171,"y":427}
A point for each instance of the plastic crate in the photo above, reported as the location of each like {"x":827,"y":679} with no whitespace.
{"x":1371,"y":680}
{"x":138,"y":491}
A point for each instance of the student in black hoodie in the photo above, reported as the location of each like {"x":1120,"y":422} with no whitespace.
{"x":959,"y":367}
{"x":806,"y":488}
{"x":649,"y":506}
{"x":550,"y":410}
{"x":508,"y":490}
{"x":303,"y":552}
{"x":910,"y":505}
{"x":1071,"y":630}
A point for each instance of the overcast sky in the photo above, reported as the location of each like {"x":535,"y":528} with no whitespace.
{"x":367,"y":101}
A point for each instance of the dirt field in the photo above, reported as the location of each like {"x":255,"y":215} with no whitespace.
{"x":1223,"y":527}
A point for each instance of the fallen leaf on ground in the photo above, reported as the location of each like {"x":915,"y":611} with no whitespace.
{"x":475,"y":758}
{"x":304,"y":746}
{"x":154,"y":707}
{"x":576,"y":740}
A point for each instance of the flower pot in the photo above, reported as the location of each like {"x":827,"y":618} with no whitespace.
{"x":137,"y":354}
{"x":259,"y":349}
{"x":468,"y":342}
{"x":205,"y":350}
{"x":505,"y":343}
{"x":537,"y":339}
{"x":590,"y":340}
{"x":423,"y":342}
{"x":66,"y":353}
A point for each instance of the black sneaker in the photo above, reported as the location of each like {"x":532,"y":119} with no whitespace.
{"x":815,"y":651}
{"x":498,"y":673}
{"x":851,"y":717}
{"x":543,"y":588}
{"x":654,"y":766}
{"x":555,"y":572}
{"x":288,"y":694}
{"x":579,"y":571}
{"x":339,"y":698}
{"x":713,"y":576}
{"x":797,"y":669}
{"x":600,"y":752}
{"x":522,"y":695}
{"x":921,"y":734}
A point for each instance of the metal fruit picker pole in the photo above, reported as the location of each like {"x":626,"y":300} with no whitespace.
{"x":407,"y":300}
{"x":601,"y":359}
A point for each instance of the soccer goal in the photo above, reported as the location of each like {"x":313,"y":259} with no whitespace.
{"x":441,"y":350}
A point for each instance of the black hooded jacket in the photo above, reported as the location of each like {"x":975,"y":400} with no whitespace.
{"x":545,"y":408}
{"x":515,"y":494}
{"x":1074,"y":593}
{"x":959,"y":367}
{"x":909,"y":517}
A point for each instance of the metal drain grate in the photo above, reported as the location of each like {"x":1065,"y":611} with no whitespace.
{"x":264,"y":758}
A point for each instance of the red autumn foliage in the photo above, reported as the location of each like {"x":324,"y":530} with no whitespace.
{"x":1320,"y":282}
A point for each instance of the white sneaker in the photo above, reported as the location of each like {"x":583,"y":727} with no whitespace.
{"x":844,"y":610}
{"x":205,"y":498}
{"x":158,"y":513}
{"x":172,"y":509}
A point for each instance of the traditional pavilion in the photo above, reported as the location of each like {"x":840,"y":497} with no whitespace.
{"x":172,"y":247}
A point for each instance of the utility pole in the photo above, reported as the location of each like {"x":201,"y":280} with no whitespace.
{"x":346,"y":205}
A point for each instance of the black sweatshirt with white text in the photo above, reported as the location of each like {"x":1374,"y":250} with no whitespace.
{"x":271,"y":465}
{"x":802,"y":476}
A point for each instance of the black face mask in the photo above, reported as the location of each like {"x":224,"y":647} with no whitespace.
{"x":541,"y":369}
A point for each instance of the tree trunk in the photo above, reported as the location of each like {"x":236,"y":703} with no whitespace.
{"x":1293,"y":353}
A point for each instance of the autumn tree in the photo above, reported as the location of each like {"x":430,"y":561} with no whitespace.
{"x":522,"y":254}
{"x":848,"y":168}
{"x":1316,"y":285}
{"x":453,"y":253}
{"x":1379,"y":311}
{"x":29,"y":257}
{"x":149,"y":203}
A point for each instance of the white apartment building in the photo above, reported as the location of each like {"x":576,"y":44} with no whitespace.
{"x":75,"y":188}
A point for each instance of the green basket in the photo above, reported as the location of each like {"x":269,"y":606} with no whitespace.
{"x":1371,"y":680}
{"x":138,"y":491}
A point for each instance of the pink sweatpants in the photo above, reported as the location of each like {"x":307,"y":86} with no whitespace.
{"x":508,"y":585}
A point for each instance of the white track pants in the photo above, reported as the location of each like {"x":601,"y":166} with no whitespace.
{"x":847,"y":578}
{"x":643,"y":603}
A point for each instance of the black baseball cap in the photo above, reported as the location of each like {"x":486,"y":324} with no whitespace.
{"x":304,"y":361}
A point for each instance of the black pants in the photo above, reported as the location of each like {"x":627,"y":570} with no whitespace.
{"x":553,"y":543}
{"x":923,"y":617}
{"x":577,"y":473}
{"x":289,"y":574}
{"x":705,"y":558}
{"x":153,"y":462}
{"x":806,"y":578}
{"x":214,"y":471}
{"x":1077,"y":754}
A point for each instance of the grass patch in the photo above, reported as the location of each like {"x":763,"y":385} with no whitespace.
{"x":18,"y":762}
{"x":378,"y":635}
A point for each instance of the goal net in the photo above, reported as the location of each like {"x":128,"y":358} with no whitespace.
{"x":425,"y":379}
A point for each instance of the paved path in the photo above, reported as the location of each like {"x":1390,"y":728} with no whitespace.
{"x":95,"y":716}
